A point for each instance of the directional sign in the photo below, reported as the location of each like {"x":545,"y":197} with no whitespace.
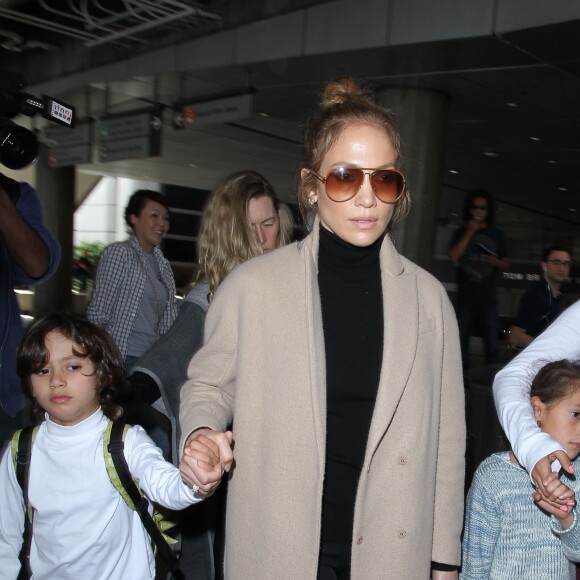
{"x":68,"y":146}
{"x":217,"y":111}
{"x":130,"y":136}
{"x":66,"y":156}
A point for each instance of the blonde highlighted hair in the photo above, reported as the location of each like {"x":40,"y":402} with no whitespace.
{"x":226,"y":237}
{"x":344,"y":103}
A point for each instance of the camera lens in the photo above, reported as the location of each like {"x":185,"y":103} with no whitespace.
{"x":18,"y":146}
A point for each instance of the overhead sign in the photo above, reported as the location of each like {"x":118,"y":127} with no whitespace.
{"x":68,"y":156}
{"x":68,"y":146}
{"x":215,"y":112}
{"x":130,"y":136}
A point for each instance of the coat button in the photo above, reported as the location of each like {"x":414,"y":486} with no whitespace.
{"x":402,"y":460}
{"x":359,"y":540}
{"x":401,"y":533}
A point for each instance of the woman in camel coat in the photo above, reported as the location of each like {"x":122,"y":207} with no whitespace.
{"x":264,"y":368}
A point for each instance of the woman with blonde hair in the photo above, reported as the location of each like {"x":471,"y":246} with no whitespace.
{"x":337,"y":361}
{"x":243,"y":218}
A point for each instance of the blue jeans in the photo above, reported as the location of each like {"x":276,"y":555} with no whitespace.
{"x":484,"y":317}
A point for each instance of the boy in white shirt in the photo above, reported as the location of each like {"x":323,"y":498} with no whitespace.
{"x":82,"y":527}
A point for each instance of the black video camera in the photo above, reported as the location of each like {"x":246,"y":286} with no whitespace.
{"x":18,"y":145}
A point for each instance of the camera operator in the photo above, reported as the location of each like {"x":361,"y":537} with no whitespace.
{"x":29,"y":254}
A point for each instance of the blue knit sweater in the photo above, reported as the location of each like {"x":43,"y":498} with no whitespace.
{"x":507,"y":536}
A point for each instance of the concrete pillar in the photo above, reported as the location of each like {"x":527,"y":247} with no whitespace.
{"x":56,"y":188}
{"x":420,"y":116}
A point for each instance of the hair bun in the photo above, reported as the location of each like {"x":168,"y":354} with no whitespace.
{"x":342,"y":90}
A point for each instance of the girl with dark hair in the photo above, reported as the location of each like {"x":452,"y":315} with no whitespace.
{"x":506,"y":535}
{"x":82,"y":527}
{"x":337,"y":362}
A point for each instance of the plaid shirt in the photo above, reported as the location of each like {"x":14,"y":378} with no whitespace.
{"x":119,"y":287}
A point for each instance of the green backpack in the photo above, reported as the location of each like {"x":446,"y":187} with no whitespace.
{"x":120,"y":476}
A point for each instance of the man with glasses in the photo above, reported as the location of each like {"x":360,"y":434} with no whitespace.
{"x":543,"y":301}
{"x":479,"y":250}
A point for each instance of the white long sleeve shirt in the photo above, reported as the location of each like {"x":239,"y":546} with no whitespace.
{"x":82,"y":527}
{"x":511,"y":387}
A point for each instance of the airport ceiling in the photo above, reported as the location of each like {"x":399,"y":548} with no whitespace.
{"x":514,"y":99}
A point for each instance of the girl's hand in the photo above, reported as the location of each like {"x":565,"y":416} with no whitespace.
{"x":556,"y":488}
{"x":543,"y":478}
{"x":565,"y":513}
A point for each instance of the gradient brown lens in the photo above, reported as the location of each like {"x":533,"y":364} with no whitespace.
{"x":343,"y":183}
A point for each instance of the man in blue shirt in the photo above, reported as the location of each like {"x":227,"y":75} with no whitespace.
{"x":542,"y":302}
{"x":29,"y":254}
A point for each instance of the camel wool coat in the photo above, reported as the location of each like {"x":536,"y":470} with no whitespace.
{"x":262,"y":367}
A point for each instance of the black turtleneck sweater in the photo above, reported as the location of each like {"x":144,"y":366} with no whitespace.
{"x":349,"y":279}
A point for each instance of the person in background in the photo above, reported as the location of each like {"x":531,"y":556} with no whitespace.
{"x":506,"y":535}
{"x":243,"y":218}
{"x":29,"y":255}
{"x":83,"y":270}
{"x":134,"y":295}
{"x":543,"y":301}
{"x":479,"y":250}
{"x":337,"y":361}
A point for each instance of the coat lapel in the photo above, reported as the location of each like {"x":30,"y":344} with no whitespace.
{"x":399,"y":343}
{"x":315,"y":339}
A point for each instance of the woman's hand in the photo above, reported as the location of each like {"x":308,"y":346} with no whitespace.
{"x":206,"y":456}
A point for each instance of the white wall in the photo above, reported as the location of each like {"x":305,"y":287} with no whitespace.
{"x":101,"y":217}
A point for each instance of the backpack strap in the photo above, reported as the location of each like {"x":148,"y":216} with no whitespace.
{"x":21,"y":448}
{"x":120,"y":476}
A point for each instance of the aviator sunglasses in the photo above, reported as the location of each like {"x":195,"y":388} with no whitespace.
{"x":343,"y":183}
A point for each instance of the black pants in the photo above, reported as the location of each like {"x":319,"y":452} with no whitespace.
{"x":334,"y":562}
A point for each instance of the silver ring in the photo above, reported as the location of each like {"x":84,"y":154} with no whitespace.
{"x":195,"y":488}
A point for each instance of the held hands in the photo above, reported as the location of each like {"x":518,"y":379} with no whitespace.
{"x":550,"y":491}
{"x":207,"y":455}
{"x":563,"y":512}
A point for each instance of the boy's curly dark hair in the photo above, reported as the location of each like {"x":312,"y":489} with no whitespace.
{"x":90,"y":342}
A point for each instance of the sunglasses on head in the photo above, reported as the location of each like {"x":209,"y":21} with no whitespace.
{"x":343,"y":183}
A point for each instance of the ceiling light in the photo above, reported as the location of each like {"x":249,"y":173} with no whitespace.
{"x":572,"y":209}
{"x":535,"y":138}
{"x":454,"y":171}
{"x":192,"y":164}
{"x":263,"y":114}
{"x":511,"y":104}
{"x":552,"y":161}
{"x":563,"y":189}
{"x":490,"y":154}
